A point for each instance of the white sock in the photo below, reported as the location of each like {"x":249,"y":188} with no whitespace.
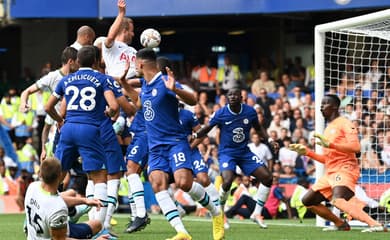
{"x":112,"y":198}
{"x":101,"y":194}
{"x":133,"y":208}
{"x":213,"y":193}
{"x":223,"y":196}
{"x":198,"y":193}
{"x":261,"y":197}
{"x":89,"y":194}
{"x":137,"y":189}
{"x":170,"y":211}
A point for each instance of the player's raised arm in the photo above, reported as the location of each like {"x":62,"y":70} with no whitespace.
{"x":115,"y":27}
{"x":24,"y":107}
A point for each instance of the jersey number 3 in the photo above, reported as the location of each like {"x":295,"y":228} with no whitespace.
{"x":85,"y":96}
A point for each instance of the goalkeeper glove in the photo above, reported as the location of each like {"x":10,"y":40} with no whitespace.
{"x":299,"y":148}
{"x":322,"y":140}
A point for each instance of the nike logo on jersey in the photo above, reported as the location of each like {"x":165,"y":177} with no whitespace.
{"x":229,"y":122}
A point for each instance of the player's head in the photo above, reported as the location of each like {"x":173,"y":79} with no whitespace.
{"x":50,"y":170}
{"x":85,"y":35}
{"x":162,"y":63}
{"x":145,"y":58}
{"x":126,"y":30}
{"x":330,"y":106}
{"x":86,"y":56}
{"x":234,"y":96}
{"x":69,"y":56}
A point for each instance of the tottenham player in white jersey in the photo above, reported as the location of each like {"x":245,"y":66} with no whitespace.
{"x":116,"y":51}
{"x":47,"y":210}
{"x":85,"y":36}
{"x":50,"y":81}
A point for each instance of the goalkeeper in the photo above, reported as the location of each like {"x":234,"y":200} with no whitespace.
{"x":340,"y":144}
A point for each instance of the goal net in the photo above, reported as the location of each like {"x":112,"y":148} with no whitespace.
{"x":352,"y":60}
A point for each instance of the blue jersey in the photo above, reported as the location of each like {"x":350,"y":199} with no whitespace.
{"x":161,"y":114}
{"x":84,"y":94}
{"x":188,"y":120}
{"x":235,"y":128}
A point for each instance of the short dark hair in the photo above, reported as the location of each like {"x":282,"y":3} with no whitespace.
{"x":86,"y":56}
{"x":67,"y":54}
{"x":334,"y":99}
{"x":50,"y":170}
{"x":163,"y":62}
{"x":147,"y":54}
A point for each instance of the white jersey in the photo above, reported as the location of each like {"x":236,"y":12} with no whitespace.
{"x":115,"y":59}
{"x":50,"y":81}
{"x":76,"y":46}
{"x":43,"y":212}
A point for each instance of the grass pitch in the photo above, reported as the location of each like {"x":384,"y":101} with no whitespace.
{"x":200,"y":228}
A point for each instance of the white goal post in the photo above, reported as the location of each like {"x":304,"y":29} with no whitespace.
{"x":344,"y":53}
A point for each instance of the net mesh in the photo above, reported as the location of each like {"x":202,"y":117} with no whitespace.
{"x":357,"y":69}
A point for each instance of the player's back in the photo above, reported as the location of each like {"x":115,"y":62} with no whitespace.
{"x":235,"y":128}
{"x":138,"y":124}
{"x":161,"y":113}
{"x":43,"y":211}
{"x":84,"y":94}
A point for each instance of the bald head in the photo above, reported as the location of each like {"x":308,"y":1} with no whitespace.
{"x":85,"y":35}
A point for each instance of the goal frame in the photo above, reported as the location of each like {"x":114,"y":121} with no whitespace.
{"x":319,"y":60}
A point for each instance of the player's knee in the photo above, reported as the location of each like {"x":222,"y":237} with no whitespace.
{"x":184,"y":185}
{"x":95,"y":226}
{"x":203,"y":179}
{"x":307,"y":201}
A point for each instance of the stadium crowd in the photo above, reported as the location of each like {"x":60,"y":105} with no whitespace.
{"x":283,"y":98}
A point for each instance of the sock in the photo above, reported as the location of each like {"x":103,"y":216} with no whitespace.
{"x":71,"y":211}
{"x":223,"y":196}
{"x":133,"y":208}
{"x":101,"y":194}
{"x":112,"y":198}
{"x":170,"y":211}
{"x":213,"y":193}
{"x":137,"y":189}
{"x":354,"y":210}
{"x":261,"y":197}
{"x":89,"y":194}
{"x":198,"y":193}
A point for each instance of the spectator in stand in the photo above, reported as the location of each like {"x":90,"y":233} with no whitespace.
{"x":3,"y":183}
{"x":265,"y":102}
{"x":286,"y":156}
{"x":203,"y":103}
{"x":286,"y":82}
{"x":297,"y":100}
{"x":282,"y":93}
{"x":372,"y":76}
{"x":263,"y":82}
{"x":207,"y":77}
{"x":229,"y":75}
{"x":310,"y":76}
{"x":297,"y":73}
{"x":261,"y":150}
{"x":12,"y":180}
{"x":23,"y":125}
{"x":8,"y":110}
{"x":276,"y":125}
{"x":308,"y":115}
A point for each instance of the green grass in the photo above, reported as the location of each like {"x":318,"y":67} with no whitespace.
{"x":200,"y":228}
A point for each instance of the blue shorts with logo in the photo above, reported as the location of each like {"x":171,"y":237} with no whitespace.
{"x":80,"y":231}
{"x":170,"y":157}
{"x":138,"y":149}
{"x":80,"y":140}
{"x":247,"y":161}
{"x":198,"y":165}
{"x":113,"y":152}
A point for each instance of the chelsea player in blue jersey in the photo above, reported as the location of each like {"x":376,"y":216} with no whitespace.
{"x":86,"y":93}
{"x":235,"y":121}
{"x":169,"y":150}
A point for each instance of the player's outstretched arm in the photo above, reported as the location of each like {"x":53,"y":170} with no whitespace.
{"x":352,"y":146}
{"x":303,"y":150}
{"x":114,"y":29}
{"x":24,"y":107}
{"x":202,"y":132}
